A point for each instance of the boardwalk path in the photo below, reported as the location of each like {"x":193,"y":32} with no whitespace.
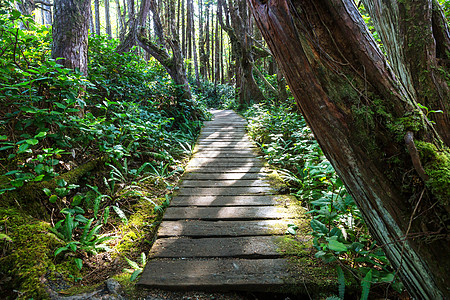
{"x":223,"y":228}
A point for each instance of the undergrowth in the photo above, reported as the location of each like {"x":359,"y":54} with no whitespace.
{"x":340,"y":235}
{"x":87,"y":163}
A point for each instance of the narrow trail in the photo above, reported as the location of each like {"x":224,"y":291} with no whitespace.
{"x":222,"y":229}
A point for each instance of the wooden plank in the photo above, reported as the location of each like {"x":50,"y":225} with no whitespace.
{"x":222,"y":176}
{"x":226,"y":160}
{"x":242,"y":247}
{"x":223,"y":154}
{"x":222,"y":164}
{"x":227,"y":213}
{"x":219,"y":274}
{"x":226,"y":200}
{"x":227,"y":169}
{"x":224,"y":183}
{"x":224,"y":191}
{"x":198,"y":228}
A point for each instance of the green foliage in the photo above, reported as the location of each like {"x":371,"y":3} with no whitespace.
{"x":126,"y":111}
{"x":337,"y":225}
{"x":221,"y":96}
{"x":137,"y":269}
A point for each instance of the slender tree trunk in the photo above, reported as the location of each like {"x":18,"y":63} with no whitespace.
{"x":70,"y":33}
{"x":97,"y":16}
{"x":46,"y":14}
{"x":217,"y":57}
{"x":390,"y":157}
{"x":108,"y":20}
{"x":202,"y":40}
{"x":194,"y":46}
{"x":207,"y":43}
{"x":183,"y":30}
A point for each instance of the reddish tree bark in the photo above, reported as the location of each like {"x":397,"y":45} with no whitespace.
{"x":390,"y":157}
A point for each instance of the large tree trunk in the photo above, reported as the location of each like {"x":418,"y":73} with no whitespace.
{"x":235,"y":25}
{"x":70,"y":33}
{"x":416,"y":38}
{"x":381,"y":144}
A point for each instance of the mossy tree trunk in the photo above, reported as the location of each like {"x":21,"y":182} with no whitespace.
{"x":70,"y":33}
{"x":389,"y":155}
{"x":235,"y":25}
{"x":416,"y":38}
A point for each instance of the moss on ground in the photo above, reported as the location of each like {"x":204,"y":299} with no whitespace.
{"x":29,"y":256}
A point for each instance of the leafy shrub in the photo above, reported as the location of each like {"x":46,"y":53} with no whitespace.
{"x":337,"y":226}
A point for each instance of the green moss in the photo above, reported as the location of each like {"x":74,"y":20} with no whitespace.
{"x":140,"y":226}
{"x":437,"y":166}
{"x":30,"y":255}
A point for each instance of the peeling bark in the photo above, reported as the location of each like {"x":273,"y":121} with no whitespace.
{"x":360,"y":114}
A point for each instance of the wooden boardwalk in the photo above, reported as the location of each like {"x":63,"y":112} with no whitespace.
{"x":223,"y":228}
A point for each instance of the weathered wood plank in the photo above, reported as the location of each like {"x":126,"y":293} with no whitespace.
{"x":225,"y":154}
{"x":224,"y":191}
{"x":239,"y":247}
{"x":225,"y":183}
{"x":227,"y":169}
{"x":198,"y":228}
{"x":227,"y":213}
{"x":222,"y":176}
{"x":211,"y":201}
{"x":219,"y":274}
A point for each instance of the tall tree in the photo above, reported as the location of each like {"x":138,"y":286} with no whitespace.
{"x":97,"y":16}
{"x":235,"y":25}
{"x":173,"y":63}
{"x":70,"y":33}
{"x":371,"y":129}
{"x":108,"y":19}
{"x":194,"y":45}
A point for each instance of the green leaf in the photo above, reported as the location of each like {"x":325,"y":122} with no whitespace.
{"x":77,"y":200}
{"x":23,"y":148}
{"x":60,"y":249}
{"x":121,"y":214}
{"x":61,"y":182}
{"x":336,"y":246}
{"x":365,"y":284}
{"x":6,"y":148}
{"x":3,"y":137}
{"x":5,"y":237}
{"x":132,"y":264}
{"x":319,"y":227}
{"x":47,"y":191}
{"x":53,"y":199}
{"x":135,"y":275}
{"x":40,"y":134}
{"x":32,"y":141}
{"x":79,"y":263}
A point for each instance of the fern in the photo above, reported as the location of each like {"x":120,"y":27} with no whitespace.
{"x":341,"y":281}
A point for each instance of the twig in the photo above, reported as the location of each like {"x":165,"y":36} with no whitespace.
{"x":409,"y":140}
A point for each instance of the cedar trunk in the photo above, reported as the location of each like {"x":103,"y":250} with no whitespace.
{"x":388,"y":154}
{"x":70,"y":33}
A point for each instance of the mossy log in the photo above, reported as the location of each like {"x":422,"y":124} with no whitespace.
{"x":31,"y":195}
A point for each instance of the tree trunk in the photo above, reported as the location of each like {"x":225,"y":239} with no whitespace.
{"x":108,"y":20}
{"x":415,"y":36}
{"x":389,"y":156}
{"x":46,"y":13}
{"x":97,"y":16}
{"x":70,"y":33}
{"x":235,"y":25}
{"x":217,"y":53}
{"x":183,"y":30}
{"x":194,"y":46}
